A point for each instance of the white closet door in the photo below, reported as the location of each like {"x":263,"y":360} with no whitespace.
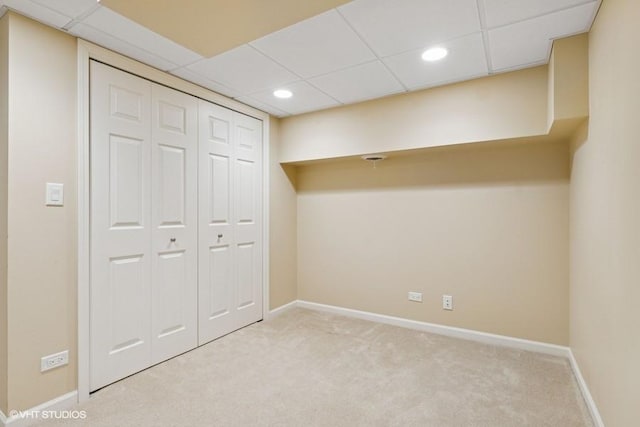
{"x":174,"y":221}
{"x":144,"y":148}
{"x":230,"y":200}
{"x":120,"y":225}
{"x":248,"y":218}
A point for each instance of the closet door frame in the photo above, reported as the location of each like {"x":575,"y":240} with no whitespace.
{"x":86,"y":52}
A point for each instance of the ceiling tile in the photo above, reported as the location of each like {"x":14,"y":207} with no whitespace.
{"x":89,"y":33}
{"x":305,"y":98}
{"x":466,"y":60}
{"x":262,"y":106}
{"x":244,"y":69}
{"x":110,"y":22}
{"x":529,"y":42}
{"x":205,"y":82}
{"x":502,"y":12}
{"x":316,"y":46}
{"x":393,"y":26}
{"x":70,"y":8}
{"x":38,"y":12}
{"x":366,"y":81}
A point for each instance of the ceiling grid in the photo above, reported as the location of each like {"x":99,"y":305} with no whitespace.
{"x":341,"y":53}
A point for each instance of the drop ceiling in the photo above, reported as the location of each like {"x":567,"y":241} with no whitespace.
{"x":326,"y":52}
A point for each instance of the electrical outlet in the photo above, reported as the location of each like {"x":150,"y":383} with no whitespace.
{"x":54,"y":360}
{"x":447,"y":302}
{"x":415,"y":296}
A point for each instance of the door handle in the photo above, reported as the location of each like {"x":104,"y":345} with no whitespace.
{"x":172,"y":240}
{"x":219,"y":236}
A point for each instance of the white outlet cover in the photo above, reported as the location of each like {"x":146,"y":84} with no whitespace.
{"x":447,"y":302}
{"x":54,"y":360}
{"x":415,"y":296}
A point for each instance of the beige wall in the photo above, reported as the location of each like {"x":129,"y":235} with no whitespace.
{"x":282,"y":227}
{"x":508,"y":105}
{"x":605,"y":219}
{"x":4,"y":116}
{"x":569,"y":94}
{"x":41,"y":260}
{"x":488,"y":225}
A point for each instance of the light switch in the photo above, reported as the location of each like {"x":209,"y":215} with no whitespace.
{"x":55,"y":194}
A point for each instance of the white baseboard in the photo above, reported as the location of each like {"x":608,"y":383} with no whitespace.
{"x":70,"y":399}
{"x":450,"y":331}
{"x":468,"y":334}
{"x":586,"y":394}
{"x":60,"y":403}
{"x":283,"y":308}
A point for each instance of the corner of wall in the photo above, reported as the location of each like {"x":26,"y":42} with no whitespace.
{"x":604,"y":226}
{"x":4,"y":136}
{"x":568,"y":95}
{"x":283,"y":287}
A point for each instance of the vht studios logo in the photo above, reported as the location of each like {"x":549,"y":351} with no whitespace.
{"x":50,"y":415}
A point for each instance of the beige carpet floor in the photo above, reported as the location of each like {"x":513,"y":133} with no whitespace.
{"x":306,"y":368}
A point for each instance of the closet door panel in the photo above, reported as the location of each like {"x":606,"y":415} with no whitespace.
{"x":174,"y":219}
{"x":120,"y":295}
{"x":248,"y":218}
{"x":230,"y":268}
{"x":216,"y":276}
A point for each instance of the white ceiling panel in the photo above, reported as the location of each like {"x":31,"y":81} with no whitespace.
{"x":503,"y":12}
{"x":89,"y":33}
{"x":364,"y":49}
{"x":466,"y":60}
{"x":529,"y":42}
{"x":365,"y":81}
{"x":262,"y":106}
{"x":38,"y":12}
{"x":108,"y":21}
{"x":316,"y":46}
{"x":305,"y":98}
{"x":393,"y":26}
{"x":70,"y":8}
{"x":196,"y":78}
{"x":245,"y":70}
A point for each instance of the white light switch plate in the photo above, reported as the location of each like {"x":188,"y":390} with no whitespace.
{"x":55,"y":194}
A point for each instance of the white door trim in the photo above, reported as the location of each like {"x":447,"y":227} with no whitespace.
{"x":86,"y":52}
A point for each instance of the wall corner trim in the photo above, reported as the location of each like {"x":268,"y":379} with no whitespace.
{"x":282,"y":309}
{"x":466,"y":334}
{"x":60,"y":403}
{"x":584,"y":389}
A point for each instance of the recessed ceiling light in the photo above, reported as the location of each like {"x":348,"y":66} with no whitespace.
{"x":282,"y":93}
{"x":434,"y":54}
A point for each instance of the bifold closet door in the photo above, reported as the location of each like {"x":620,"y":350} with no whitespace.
{"x":174,"y":218}
{"x":230,"y":206}
{"x":143,"y":292}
